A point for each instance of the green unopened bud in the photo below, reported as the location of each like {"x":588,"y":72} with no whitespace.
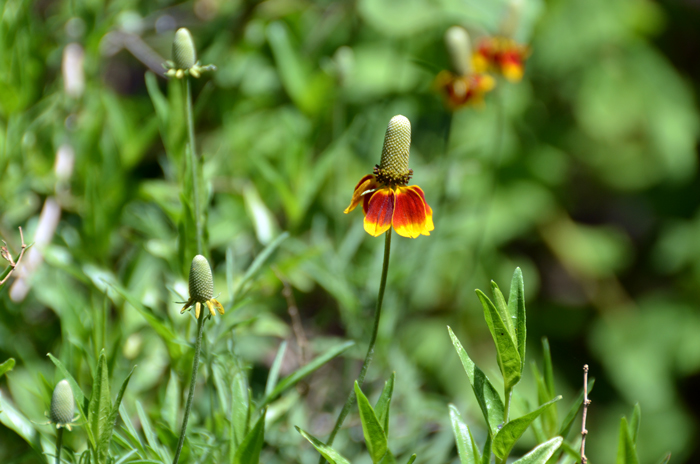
{"x":184,"y":53}
{"x":397,"y":142}
{"x":201,"y":280}
{"x":511,"y":18}
{"x":460,"y":50}
{"x":62,"y":404}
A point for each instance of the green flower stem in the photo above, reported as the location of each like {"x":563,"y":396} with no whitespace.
{"x":59,"y":445}
{"x":193,"y":162}
{"x":370,"y":351}
{"x":506,"y":418}
{"x":193,"y":384}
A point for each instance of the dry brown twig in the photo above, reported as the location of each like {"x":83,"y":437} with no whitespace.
{"x":293,"y":310}
{"x":586,"y":403}
{"x":5,"y":253}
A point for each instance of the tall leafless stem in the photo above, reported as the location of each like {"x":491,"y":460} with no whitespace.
{"x":586,"y":403}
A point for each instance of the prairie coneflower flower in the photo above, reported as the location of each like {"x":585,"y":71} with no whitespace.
{"x":503,"y":55}
{"x":387,"y":200}
{"x":202,"y":288}
{"x":462,"y":86}
{"x":184,"y":62}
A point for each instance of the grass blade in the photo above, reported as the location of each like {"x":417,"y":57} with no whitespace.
{"x":275,"y":369}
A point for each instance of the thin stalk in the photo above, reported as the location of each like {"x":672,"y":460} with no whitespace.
{"x":193,"y":162}
{"x":370,"y":351}
{"x":506,"y":410}
{"x":193,"y":383}
{"x":59,"y":445}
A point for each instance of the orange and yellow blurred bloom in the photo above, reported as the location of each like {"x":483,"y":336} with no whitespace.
{"x":387,"y":200}
{"x":462,"y":90}
{"x":503,"y":55}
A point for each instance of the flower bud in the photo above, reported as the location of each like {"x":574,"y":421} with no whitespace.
{"x":460,"y":50}
{"x":62,"y":404}
{"x":201,"y":280}
{"x":397,"y":142}
{"x":184,"y":53}
{"x":511,"y":18}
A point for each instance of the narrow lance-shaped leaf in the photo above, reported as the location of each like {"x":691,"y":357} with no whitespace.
{"x":488,"y":398}
{"x":384,"y":402}
{"x":106,"y":437}
{"x":411,"y":459}
{"x":151,"y":436}
{"x":506,"y":350}
{"x":516,"y":307}
{"x":626,"y":450}
{"x":513,"y":430}
{"x":466,"y":447}
{"x":486,"y":451}
{"x":249,"y":450}
{"x":239,"y":410}
{"x":169,"y":409}
{"x":568,"y":421}
{"x":296,"y":376}
{"x":550,"y":416}
{"x":542,"y":453}
{"x":100,"y":403}
{"x":7,"y":366}
{"x":502,"y":307}
{"x":634,"y":422}
{"x":375,"y":439}
{"x":275,"y":369}
{"x":331,"y":455}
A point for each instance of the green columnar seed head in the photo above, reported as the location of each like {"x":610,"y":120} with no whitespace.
{"x":184,"y":53}
{"x":460,"y":50}
{"x":201,"y":280}
{"x":62,"y":404}
{"x":511,"y":18}
{"x":397,"y":142}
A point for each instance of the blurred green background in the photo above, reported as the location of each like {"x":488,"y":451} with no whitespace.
{"x":584,"y":175}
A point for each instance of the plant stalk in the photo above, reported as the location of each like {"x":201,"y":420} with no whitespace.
{"x":59,"y":445}
{"x":193,"y":162}
{"x":193,"y":384}
{"x":370,"y":351}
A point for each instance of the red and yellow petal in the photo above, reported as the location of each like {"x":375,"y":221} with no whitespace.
{"x":369,"y":182}
{"x":428,"y":210}
{"x":410,"y":213}
{"x":380,"y":210}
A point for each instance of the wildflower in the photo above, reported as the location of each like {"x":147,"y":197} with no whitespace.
{"x":201,"y":288}
{"x":62,"y":406}
{"x":185,"y":57}
{"x":463,"y":86}
{"x":387,"y":200}
{"x":503,"y":55}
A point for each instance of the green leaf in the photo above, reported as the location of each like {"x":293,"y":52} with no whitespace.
{"x":151,"y":437}
{"x":275,"y":369}
{"x":502,"y":307}
{"x":665,"y":459}
{"x":106,"y":437}
{"x":131,"y":430}
{"x":239,"y":409}
{"x":296,"y":376}
{"x":249,"y":451}
{"x":7,"y":366}
{"x":81,"y":401}
{"x":506,"y":350}
{"x":331,"y":455}
{"x":384,"y":402}
{"x":634,"y":422}
{"x":626,"y":450}
{"x":486,"y":395}
{"x":513,"y":430}
{"x":170,"y":407}
{"x":466,"y":447}
{"x":256,"y":265}
{"x":15,"y":420}
{"x":411,"y":459}
{"x":548,"y":369}
{"x":541,"y":453}
{"x":100,"y":403}
{"x":486,"y":452}
{"x":568,"y":421}
{"x":375,"y":439}
{"x":516,"y":307}
{"x":550,"y":416}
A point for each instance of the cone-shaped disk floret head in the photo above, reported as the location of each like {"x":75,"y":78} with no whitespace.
{"x":397,"y":142}
{"x":62,"y":404}
{"x":184,"y":53}
{"x":460,"y":50}
{"x":201,"y":280}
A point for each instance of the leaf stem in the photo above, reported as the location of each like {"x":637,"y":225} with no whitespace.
{"x":193,"y":384}
{"x":59,"y":445}
{"x":506,"y":409}
{"x":193,"y":163}
{"x":370,"y":351}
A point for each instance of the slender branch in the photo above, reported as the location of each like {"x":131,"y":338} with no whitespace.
{"x":59,"y":445}
{"x":193,"y":384}
{"x":293,"y":311}
{"x":13,"y":265}
{"x":370,"y":351}
{"x":586,"y":403}
{"x":193,"y":162}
